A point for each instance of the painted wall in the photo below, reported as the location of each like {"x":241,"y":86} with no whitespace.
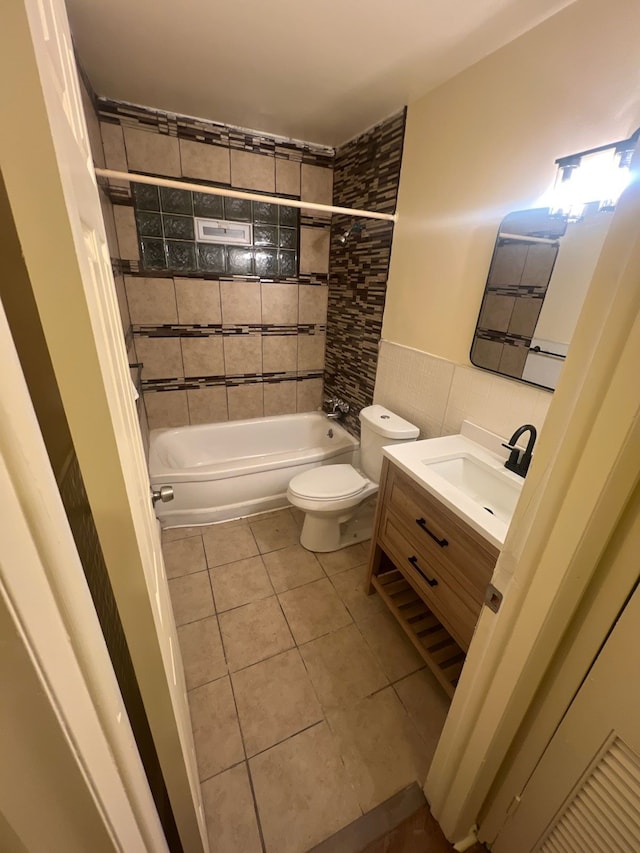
{"x":484,"y":144}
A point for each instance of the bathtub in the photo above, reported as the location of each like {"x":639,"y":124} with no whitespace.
{"x":237,"y":468}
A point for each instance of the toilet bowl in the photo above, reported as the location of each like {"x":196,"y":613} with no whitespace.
{"x":339,"y":500}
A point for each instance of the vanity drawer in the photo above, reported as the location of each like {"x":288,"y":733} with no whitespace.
{"x":457,"y":612}
{"x":438,"y":536}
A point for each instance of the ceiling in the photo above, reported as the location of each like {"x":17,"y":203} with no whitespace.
{"x":322,"y":71}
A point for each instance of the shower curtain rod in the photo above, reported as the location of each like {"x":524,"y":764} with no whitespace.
{"x":202,"y":188}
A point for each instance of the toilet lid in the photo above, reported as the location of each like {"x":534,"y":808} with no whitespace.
{"x":328,"y":482}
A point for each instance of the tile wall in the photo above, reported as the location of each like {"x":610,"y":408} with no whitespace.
{"x":222,"y":334}
{"x":437,"y":395}
{"x":366,"y":176}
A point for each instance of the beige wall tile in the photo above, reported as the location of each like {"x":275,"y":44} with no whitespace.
{"x":123,"y":305}
{"x":314,"y":250}
{"x":229,"y":812}
{"x":312,"y":304}
{"x":513,"y":360}
{"x":275,"y":699}
{"x":113,"y":144}
{"x":216,"y":733}
{"x":279,"y":398}
{"x":148,"y":151}
{"x":306,"y":769}
{"x":166,"y":409}
{"x":309,"y":395}
{"x":203,"y":356}
{"x":203,"y":160}
{"x":245,"y":401}
{"x":207,"y":405}
{"x":317,"y":184}
{"x":242,"y":354}
{"x":240,"y":302}
{"x":311,"y":351}
{"x":288,"y":177}
{"x":152,"y":301}
{"x":486,"y":353}
{"x":496,"y":312}
{"x":162,"y":357}
{"x":253,"y":171}
{"x":126,"y":232}
{"x":198,"y":301}
{"x":525,"y":316}
{"x":279,"y":303}
{"x":279,"y":353}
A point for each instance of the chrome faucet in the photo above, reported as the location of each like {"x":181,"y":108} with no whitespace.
{"x":519,"y":460}
{"x":337,"y":407}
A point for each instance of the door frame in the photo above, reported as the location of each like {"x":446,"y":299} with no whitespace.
{"x":45,"y":598}
{"x":52,"y":192}
{"x":584,"y":473}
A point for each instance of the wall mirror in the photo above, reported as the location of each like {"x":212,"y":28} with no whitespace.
{"x":542,"y":264}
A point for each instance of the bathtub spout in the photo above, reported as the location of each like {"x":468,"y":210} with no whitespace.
{"x":337,"y":408}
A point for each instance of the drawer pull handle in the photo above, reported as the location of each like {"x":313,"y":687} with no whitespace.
{"x":414,"y":563}
{"x":423,"y":524}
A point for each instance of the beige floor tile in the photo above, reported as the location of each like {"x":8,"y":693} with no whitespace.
{"x":226,"y":543}
{"x":275,"y":699}
{"x":216,"y":732}
{"x":381,"y":748}
{"x":313,"y":610}
{"x":240,"y":583}
{"x":174,"y":533}
{"x":350,"y":586}
{"x":202,"y":652}
{"x":302,"y":792}
{"x":346,"y":558}
{"x":427,"y":705}
{"x":342,"y":667}
{"x":393,"y":649}
{"x":191,"y":597}
{"x":298,"y":516}
{"x":291,"y":567}
{"x":274,"y":532}
{"x":184,"y":556}
{"x":230,"y":814}
{"x":254,"y":632}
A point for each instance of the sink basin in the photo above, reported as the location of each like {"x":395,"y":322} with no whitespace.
{"x":490,"y":489}
{"x":466,"y":476}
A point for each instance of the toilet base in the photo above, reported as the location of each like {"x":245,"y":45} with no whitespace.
{"x":328,"y":532}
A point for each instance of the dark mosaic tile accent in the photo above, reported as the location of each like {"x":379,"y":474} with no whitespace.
{"x":212,"y":258}
{"x":209,"y":206}
{"x":181,"y":255}
{"x":366,"y":176}
{"x":149,"y":224}
{"x":153,"y":254}
{"x":178,"y":227}
{"x":266,"y":262}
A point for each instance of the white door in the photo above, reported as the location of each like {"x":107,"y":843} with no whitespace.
{"x":48,"y":174}
{"x":584,"y":795}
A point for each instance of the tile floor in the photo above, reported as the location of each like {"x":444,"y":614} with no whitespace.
{"x":309,"y":705}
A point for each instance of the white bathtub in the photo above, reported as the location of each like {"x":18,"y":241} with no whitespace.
{"x":229,"y":470}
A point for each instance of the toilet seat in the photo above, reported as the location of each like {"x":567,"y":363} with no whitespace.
{"x":328,"y":483}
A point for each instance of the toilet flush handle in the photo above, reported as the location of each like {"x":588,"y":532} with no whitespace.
{"x":164,"y":494}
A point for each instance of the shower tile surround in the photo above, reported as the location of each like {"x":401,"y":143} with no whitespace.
{"x":220,"y":330}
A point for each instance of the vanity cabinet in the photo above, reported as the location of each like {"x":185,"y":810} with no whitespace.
{"x":431,"y":569}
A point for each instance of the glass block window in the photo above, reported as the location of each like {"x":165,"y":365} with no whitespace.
{"x":167,"y":235}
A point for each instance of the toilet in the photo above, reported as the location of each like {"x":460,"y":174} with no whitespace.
{"x":339,"y":500}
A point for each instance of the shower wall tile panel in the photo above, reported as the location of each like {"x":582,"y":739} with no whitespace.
{"x":219,"y":326}
{"x":366,"y":176}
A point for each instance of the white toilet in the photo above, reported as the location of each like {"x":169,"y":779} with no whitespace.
{"x":334,"y":497}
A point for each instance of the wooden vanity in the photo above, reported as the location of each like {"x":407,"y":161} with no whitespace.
{"x":431,"y":569}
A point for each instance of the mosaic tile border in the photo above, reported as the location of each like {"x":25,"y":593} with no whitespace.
{"x":193,"y":383}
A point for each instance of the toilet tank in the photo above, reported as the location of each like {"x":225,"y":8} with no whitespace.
{"x":380,"y":427}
